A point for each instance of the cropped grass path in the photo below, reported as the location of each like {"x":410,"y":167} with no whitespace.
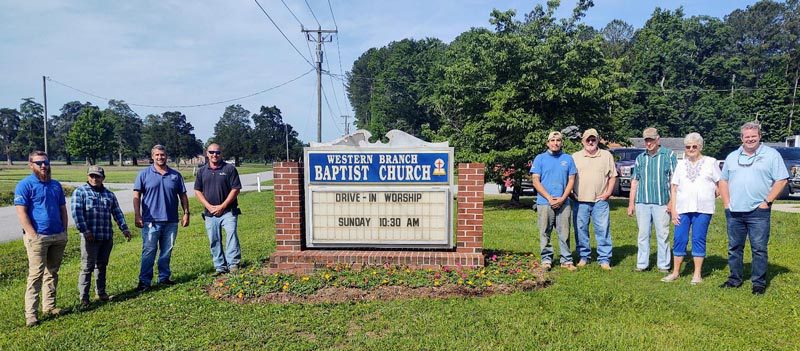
{"x":588,"y":309}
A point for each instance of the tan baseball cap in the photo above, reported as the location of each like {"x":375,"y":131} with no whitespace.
{"x":554,"y":135}
{"x":590,"y":132}
{"x":650,"y":133}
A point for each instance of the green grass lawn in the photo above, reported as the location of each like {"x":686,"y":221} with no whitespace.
{"x":588,"y":309}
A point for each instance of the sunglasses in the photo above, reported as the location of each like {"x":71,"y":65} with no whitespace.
{"x":40,"y":163}
{"x":215,"y":152}
{"x":748,"y":160}
{"x":94,"y":176}
{"x":591,"y":140}
{"x":692,"y":147}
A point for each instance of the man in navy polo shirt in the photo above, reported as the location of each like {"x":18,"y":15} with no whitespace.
{"x":217,"y":185}
{"x":42,"y":212}
{"x":155,"y":206}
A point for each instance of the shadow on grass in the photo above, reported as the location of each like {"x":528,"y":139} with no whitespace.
{"x":487,"y":253}
{"x":499,"y":204}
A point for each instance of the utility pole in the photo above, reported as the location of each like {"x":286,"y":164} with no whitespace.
{"x":319,"y":39}
{"x":44,"y":88}
{"x":346,"y":125}
{"x":286,"y":132}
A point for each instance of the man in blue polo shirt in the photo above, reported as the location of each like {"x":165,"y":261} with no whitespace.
{"x":42,"y":212}
{"x":650,"y":199}
{"x":553,"y":177}
{"x":155,"y":205}
{"x":216,"y":187}
{"x":753,"y":176}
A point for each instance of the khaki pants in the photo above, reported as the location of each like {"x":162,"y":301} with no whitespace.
{"x":44,"y":259}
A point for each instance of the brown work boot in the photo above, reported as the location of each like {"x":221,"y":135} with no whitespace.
{"x":569,"y":266}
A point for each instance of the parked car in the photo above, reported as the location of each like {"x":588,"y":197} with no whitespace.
{"x":506,"y":182}
{"x":624,"y":158}
{"x":791,"y":157}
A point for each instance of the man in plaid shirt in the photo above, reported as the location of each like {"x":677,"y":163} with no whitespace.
{"x":92,"y":207}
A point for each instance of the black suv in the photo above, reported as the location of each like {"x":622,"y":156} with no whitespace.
{"x":624,"y":158}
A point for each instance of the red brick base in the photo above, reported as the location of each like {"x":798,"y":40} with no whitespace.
{"x":292,"y":257}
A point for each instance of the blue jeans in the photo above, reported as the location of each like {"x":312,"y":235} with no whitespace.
{"x":598,"y":213}
{"x":741,"y":225}
{"x":698,"y":222}
{"x":558,"y":219}
{"x":233,"y":254}
{"x":157,"y":236}
{"x":647,"y":214}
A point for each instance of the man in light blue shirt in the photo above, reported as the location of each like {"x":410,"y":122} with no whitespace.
{"x":553,"y":177}
{"x":753,"y":176}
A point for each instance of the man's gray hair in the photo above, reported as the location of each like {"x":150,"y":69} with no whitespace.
{"x":693,"y":138}
{"x":751,"y":125}
{"x":158,"y":147}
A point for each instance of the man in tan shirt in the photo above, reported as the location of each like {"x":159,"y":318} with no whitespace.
{"x":594,"y":184}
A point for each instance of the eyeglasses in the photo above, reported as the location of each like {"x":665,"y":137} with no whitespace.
{"x":40,"y":163}
{"x":214,"y":152}
{"x":94,"y":176}
{"x":692,"y":147}
{"x":748,"y":160}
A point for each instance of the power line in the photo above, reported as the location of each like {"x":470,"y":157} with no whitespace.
{"x":185,"y":106}
{"x":338,"y":51}
{"x":292,"y":12}
{"x":330,"y":111}
{"x":284,"y":35}
{"x":333,"y":87}
{"x":312,"y":13}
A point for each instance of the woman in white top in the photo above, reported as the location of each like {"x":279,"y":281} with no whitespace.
{"x":694,"y":190}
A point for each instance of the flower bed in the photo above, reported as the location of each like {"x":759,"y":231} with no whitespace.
{"x":341,"y":283}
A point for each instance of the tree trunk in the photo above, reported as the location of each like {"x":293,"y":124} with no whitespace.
{"x":515,"y":194}
{"x":111,"y":159}
{"x":236,"y":161}
{"x":69,"y":159}
{"x":120,"y":156}
{"x":8,"y":159}
{"x":134,"y":160}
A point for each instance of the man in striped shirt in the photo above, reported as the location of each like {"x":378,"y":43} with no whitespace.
{"x":92,"y":208}
{"x":650,"y":199}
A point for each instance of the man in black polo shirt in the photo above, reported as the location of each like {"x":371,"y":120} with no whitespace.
{"x":217,"y":186}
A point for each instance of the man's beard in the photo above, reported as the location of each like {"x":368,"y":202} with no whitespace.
{"x":42,"y":174}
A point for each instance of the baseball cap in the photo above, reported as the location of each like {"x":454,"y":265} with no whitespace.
{"x":554,"y":135}
{"x":590,"y":132}
{"x":650,"y":133}
{"x":96,"y":170}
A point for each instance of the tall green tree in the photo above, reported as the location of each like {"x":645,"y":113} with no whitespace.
{"x":127,"y":130}
{"x":31,"y":127}
{"x":91,"y":136}
{"x":271,"y":136}
{"x":503,"y":91}
{"x":9,"y":126}
{"x":62,"y":124}
{"x":233,"y":132}
{"x":174,"y":132}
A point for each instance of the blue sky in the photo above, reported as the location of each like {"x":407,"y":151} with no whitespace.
{"x":168,"y":52}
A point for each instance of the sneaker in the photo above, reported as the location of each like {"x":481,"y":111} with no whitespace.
{"x":669,"y":278}
{"x":219,"y":273}
{"x":605,"y":266}
{"x":569,"y":266}
{"x":167,"y":282}
{"x":84,"y":305}
{"x":52,"y":312}
{"x":759,"y":290}
{"x":142,"y":287}
{"x":105,"y":297}
{"x":663,"y":270}
{"x":728,"y":285}
{"x":233,"y":269}
{"x":31,"y":322}
{"x":582,"y":263}
{"x":637,"y":269}
{"x":547,"y":266}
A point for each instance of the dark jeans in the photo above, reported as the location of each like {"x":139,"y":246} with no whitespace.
{"x":741,"y":225}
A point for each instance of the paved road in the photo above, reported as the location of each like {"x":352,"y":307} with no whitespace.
{"x":10,"y":228}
